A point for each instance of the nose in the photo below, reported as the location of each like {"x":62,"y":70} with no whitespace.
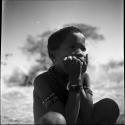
{"x":79,"y":53}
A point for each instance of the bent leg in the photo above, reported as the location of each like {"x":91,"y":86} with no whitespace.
{"x":52,"y":118}
{"x":105,"y":111}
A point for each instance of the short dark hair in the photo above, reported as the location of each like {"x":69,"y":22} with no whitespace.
{"x":57,"y":38}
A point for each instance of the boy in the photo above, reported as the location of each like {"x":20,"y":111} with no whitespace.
{"x":62,"y":95}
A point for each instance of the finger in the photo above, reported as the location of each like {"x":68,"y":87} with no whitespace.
{"x":80,"y":62}
{"x":82,"y":59}
{"x":69,"y":60}
{"x":69,"y":57}
{"x":65,"y":59}
{"x":74,"y":59}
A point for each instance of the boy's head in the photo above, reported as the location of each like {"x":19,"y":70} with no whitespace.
{"x":68,"y":41}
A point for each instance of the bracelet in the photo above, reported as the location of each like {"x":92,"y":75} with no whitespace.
{"x":75,"y":88}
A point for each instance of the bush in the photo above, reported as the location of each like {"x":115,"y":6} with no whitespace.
{"x":18,"y":77}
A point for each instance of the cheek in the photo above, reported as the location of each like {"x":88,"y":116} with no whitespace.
{"x":59,"y":59}
{"x":60,"y":55}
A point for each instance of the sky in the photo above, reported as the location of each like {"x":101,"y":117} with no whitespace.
{"x":32,"y":17}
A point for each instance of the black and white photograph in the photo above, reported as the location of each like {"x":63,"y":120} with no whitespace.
{"x":62,"y":62}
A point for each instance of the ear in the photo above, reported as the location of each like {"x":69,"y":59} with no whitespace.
{"x":52,"y":56}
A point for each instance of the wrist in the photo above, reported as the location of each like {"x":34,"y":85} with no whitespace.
{"x":75,"y":88}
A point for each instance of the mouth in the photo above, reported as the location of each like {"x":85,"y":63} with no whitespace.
{"x":81,"y":57}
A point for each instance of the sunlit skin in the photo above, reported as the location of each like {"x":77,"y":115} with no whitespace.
{"x":70,"y":57}
{"x":70,"y":61}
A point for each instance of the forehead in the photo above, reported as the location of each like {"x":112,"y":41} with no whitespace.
{"x":75,"y":38}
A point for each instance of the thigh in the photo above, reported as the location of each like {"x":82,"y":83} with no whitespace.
{"x":105,"y":111}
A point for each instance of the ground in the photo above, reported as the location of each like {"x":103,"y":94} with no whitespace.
{"x":17,"y":102}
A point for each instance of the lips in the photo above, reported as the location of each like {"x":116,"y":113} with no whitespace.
{"x":82,"y":59}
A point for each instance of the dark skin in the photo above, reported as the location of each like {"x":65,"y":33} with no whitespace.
{"x":69,"y":60}
{"x":73,"y":51}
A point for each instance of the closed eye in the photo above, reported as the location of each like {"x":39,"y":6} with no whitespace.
{"x":81,"y":47}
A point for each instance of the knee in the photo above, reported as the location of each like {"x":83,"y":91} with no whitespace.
{"x":112,"y":108}
{"x":52,"y":118}
{"x":106,"y":110}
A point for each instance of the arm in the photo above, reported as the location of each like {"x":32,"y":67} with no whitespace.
{"x":83,"y":104}
{"x":74,"y":69}
{"x":72,"y":107}
{"x":41,"y":91}
{"x":86,"y":101}
{"x":86,"y":106}
{"x":41,"y":103}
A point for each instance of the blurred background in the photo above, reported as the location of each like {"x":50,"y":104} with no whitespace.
{"x":26,"y":26}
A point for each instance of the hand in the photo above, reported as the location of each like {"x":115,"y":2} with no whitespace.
{"x":84,"y":60}
{"x":73,"y":67}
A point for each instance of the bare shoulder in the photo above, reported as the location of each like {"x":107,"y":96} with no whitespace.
{"x":41,"y":85}
{"x":45,"y":99}
{"x":47,"y":96}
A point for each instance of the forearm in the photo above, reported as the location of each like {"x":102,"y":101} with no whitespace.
{"x":86,"y":106}
{"x":72,"y":107}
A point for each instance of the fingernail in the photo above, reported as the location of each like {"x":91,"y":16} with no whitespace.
{"x":65,"y":58}
{"x":70,"y":57}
